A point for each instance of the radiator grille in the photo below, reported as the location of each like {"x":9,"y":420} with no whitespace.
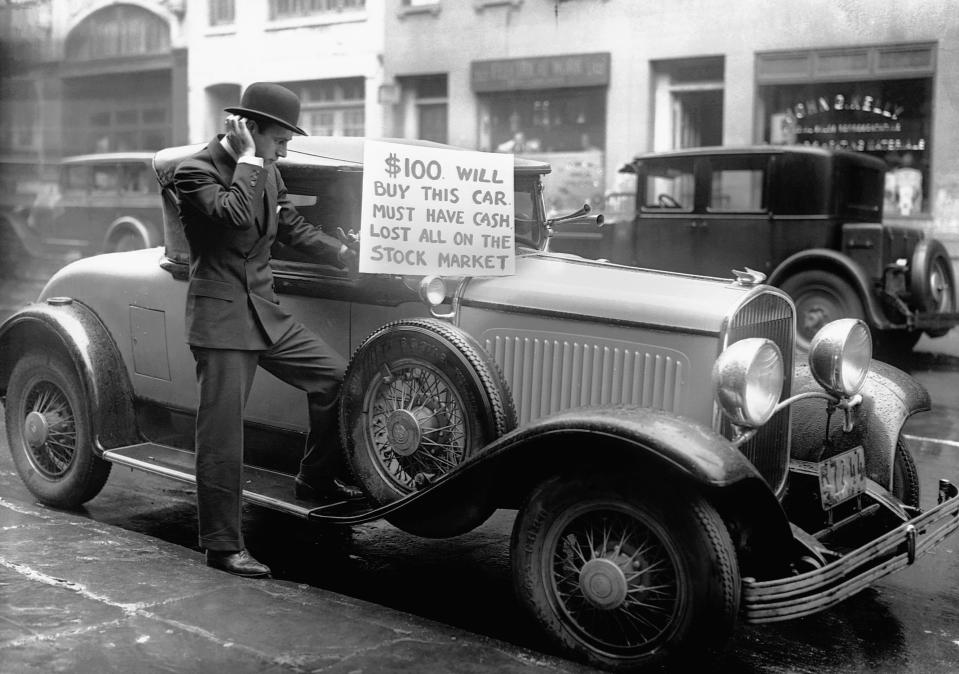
{"x":767,"y":315}
{"x":552,"y":373}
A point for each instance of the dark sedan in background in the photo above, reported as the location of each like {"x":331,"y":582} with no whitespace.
{"x":808,"y":218}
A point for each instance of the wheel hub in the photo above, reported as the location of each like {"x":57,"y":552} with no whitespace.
{"x":35,"y":429}
{"x":603,"y":583}
{"x":406,"y":428}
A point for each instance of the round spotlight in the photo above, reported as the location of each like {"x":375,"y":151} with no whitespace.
{"x":748,"y":381}
{"x":433,"y":290}
{"x":839,"y":356}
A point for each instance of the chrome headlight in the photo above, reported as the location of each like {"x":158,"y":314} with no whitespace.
{"x":839,"y":356}
{"x":432,"y":290}
{"x":748,"y":380}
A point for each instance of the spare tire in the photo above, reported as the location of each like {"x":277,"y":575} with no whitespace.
{"x":931,"y":281}
{"x":420,"y":397}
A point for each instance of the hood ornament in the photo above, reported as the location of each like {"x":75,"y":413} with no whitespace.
{"x":748,"y":277}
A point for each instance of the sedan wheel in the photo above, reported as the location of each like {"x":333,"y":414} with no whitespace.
{"x":820,"y":297}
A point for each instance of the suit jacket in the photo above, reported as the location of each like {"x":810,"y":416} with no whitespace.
{"x":232,"y":213}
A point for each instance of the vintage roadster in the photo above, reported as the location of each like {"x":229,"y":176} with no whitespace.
{"x":672,"y":469}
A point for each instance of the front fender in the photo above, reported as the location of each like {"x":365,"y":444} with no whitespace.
{"x":889,"y":398}
{"x":842,"y":265}
{"x":621,"y":440}
{"x":70,"y":327}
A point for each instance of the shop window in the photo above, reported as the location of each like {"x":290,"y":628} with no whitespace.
{"x":296,"y":9}
{"x":222,"y":12}
{"x":889,"y":119}
{"x":565,"y":127}
{"x":117,"y":31}
{"x":424,"y":108}
{"x":559,"y":120}
{"x":687,"y":103}
{"x":332,"y":107}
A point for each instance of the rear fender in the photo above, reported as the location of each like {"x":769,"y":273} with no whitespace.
{"x":628,"y":441}
{"x":889,"y":398}
{"x":839,"y":264}
{"x":71,"y":328}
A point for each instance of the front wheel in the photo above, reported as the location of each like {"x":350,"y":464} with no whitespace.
{"x":624,"y":575}
{"x":905,"y":476}
{"x":49,"y":432}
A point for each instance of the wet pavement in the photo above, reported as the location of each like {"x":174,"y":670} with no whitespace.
{"x":79,"y":595}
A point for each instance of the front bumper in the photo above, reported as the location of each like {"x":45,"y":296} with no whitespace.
{"x":814,"y":591}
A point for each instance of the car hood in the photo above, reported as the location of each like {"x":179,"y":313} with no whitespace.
{"x":571,"y":286}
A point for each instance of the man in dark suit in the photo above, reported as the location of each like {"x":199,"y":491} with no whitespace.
{"x":234,"y":205}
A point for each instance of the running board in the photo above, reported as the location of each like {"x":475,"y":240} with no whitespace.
{"x":263,"y":487}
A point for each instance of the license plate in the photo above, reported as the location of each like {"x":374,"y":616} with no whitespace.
{"x":842,"y":477}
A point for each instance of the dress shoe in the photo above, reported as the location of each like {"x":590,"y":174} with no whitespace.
{"x":238,"y":563}
{"x":327,"y":492}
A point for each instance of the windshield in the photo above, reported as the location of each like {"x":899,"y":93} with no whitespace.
{"x":334,"y":199}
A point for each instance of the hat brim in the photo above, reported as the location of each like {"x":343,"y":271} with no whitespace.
{"x":247,"y":112}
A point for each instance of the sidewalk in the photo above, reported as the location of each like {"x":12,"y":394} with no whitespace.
{"x":80,"y":596}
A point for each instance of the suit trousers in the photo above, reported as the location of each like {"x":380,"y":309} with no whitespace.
{"x":225,"y":377}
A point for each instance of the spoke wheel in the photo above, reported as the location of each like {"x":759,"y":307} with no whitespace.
{"x":417,"y":428}
{"x":419,"y":398}
{"x":613,"y":578}
{"x":624,"y":574}
{"x":49,"y":432}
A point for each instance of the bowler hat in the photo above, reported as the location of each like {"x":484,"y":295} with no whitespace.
{"x":272,"y":102}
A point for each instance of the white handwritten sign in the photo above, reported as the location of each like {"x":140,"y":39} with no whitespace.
{"x":436,"y":211}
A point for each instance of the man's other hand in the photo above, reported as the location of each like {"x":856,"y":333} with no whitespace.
{"x":349,"y":254}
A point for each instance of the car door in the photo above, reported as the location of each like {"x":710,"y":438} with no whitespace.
{"x":666,"y":223}
{"x":734,"y":229}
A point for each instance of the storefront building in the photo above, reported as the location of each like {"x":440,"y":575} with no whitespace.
{"x":97,"y":77}
{"x":584,"y":84}
{"x":328,"y":51}
{"x":587,"y":84}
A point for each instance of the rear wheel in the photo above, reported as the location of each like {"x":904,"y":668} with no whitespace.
{"x":931,"y":280}
{"x":820,"y":297}
{"x":624,"y":575}
{"x":50,"y":433}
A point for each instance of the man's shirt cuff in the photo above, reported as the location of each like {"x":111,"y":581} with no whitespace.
{"x":256,"y":161}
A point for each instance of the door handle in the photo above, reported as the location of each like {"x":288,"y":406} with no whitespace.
{"x":698,"y":224}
